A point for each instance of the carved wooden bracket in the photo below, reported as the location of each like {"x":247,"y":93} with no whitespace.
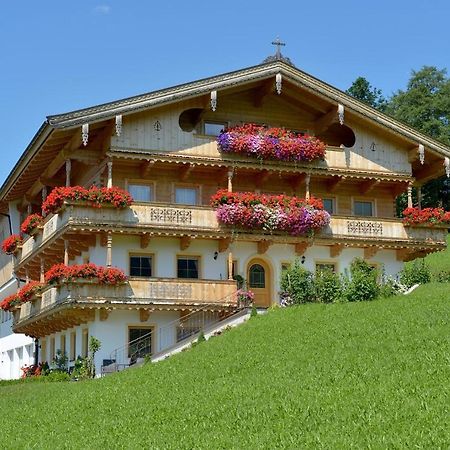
{"x":104,"y":313}
{"x":262,"y":93}
{"x":295,"y":182}
{"x":263,"y":246}
{"x":146,"y":167}
{"x":261,"y":178}
{"x":336,"y":250}
{"x":224,"y":244}
{"x":370,"y":252}
{"x":324,"y":122}
{"x":368,"y":186}
{"x":300,"y":248}
{"x":185,"y":242}
{"x":334,"y":183}
{"x":145,"y":240}
{"x":144,"y":314}
{"x":404,"y":254}
{"x":185,"y":171}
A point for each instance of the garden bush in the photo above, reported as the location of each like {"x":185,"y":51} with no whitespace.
{"x":328,"y":286}
{"x":298,"y":284}
{"x":363,"y":284}
{"x":415,"y":272}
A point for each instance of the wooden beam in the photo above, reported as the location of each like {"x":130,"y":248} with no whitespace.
{"x":224,"y":243}
{"x":324,"y":122}
{"x":368,"y":186}
{"x":145,"y":240}
{"x":370,"y":252}
{"x":144,"y":314}
{"x":263,"y":246}
{"x":146,"y":167}
{"x":185,"y":242}
{"x":185,"y":171}
{"x":261,"y":178}
{"x":336,"y":250}
{"x":296,"y":181}
{"x":104,"y":313}
{"x":103,"y":239}
{"x":403,"y":254}
{"x":399,"y":188}
{"x":300,"y":248}
{"x":334,"y":183}
{"x":263,"y":92}
{"x":430,"y":171}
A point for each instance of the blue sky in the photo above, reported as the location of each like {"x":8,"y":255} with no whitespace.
{"x":57,"y":56}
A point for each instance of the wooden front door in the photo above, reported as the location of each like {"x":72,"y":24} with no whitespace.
{"x":258,"y":279}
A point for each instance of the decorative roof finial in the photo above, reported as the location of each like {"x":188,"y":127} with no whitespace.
{"x":279,"y":44}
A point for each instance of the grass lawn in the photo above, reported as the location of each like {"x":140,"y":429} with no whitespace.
{"x":365,"y":375}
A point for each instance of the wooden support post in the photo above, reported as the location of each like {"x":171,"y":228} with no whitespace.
{"x":110,"y":177}
{"x":419,"y":197}
{"x":410,"y":202}
{"x":66,"y":252}
{"x":230,"y":180}
{"x":230,"y":265}
{"x":68,"y":171}
{"x":27,"y":276}
{"x":42,"y":278}
{"x":44,"y":196}
{"x":307,"y":181}
{"x":109,"y":249}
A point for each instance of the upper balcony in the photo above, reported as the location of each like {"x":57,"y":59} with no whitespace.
{"x":200,"y":221}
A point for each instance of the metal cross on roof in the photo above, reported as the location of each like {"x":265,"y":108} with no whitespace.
{"x":279,"y":44}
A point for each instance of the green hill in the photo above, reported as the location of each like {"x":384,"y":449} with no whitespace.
{"x":354,"y":375}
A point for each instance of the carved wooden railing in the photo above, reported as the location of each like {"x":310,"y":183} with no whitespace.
{"x":180,"y":218}
{"x":158,"y":291}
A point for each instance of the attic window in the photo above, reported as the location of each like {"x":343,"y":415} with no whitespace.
{"x":214,"y":128}
{"x":189,"y":119}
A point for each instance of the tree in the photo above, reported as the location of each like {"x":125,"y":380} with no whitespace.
{"x":364,"y":91}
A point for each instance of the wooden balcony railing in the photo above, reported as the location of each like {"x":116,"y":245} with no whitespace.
{"x":202,"y":219}
{"x":135,"y":293}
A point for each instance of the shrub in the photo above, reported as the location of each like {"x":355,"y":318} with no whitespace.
{"x":362,"y":286}
{"x":298,"y":284}
{"x":328,"y":286}
{"x":443,"y":276}
{"x":416,"y":272}
{"x":60,"y":361}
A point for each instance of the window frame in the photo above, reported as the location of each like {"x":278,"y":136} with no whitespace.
{"x":150,"y":328}
{"x":199,"y":266}
{"x":196,"y":187}
{"x":327,"y":262}
{"x":333,"y":204}
{"x":142,"y":255}
{"x":364,"y":200}
{"x":142,"y":182}
{"x":225,"y":124}
{"x":249,"y":277}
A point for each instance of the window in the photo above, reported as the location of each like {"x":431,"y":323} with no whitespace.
{"x":214,"y":128}
{"x":328,"y":205}
{"x":73,"y":346}
{"x":257,"y":278}
{"x":323,"y":267}
{"x":141,"y":192}
{"x":85,"y":344}
{"x":187,"y":267}
{"x":186,"y":196}
{"x":139,"y":342}
{"x":362,"y":208}
{"x":141,"y":266}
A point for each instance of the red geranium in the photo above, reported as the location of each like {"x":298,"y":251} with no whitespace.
{"x":31,"y":223}
{"x":27,"y":292}
{"x":11,"y":243}
{"x":9,"y":302}
{"x":106,"y":275}
{"x":94,"y":196}
{"x":426,"y":216}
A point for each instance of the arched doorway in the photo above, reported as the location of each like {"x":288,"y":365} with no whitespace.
{"x":258,"y":281}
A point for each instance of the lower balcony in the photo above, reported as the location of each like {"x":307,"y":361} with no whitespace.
{"x":71,"y":304}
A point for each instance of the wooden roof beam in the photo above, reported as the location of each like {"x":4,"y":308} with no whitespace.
{"x":261,"y":178}
{"x":296,"y":181}
{"x":146,"y":167}
{"x":185,"y":171}
{"x":324,"y":122}
{"x":263,"y":92}
{"x":368,"y":186}
{"x":430,"y":171}
{"x":334,"y":183}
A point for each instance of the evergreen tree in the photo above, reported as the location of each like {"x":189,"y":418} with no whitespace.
{"x":364,"y":91}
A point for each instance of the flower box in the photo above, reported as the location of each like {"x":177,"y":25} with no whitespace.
{"x":12,"y":244}
{"x":270,"y":143}
{"x":31,"y":224}
{"x":426,"y":217}
{"x":270,"y":213}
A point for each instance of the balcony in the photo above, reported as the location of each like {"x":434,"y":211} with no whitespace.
{"x":169,"y":220}
{"x":71,"y":304}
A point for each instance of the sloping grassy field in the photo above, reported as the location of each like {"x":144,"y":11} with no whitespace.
{"x":365,"y":375}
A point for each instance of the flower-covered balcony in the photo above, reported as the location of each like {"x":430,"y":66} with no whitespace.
{"x":71,"y":294}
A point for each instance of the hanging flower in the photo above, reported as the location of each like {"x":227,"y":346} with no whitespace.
{"x":11,"y":244}
{"x":61,"y":273}
{"x":31,"y":223}
{"x":270,"y":143}
{"x":27,"y":292}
